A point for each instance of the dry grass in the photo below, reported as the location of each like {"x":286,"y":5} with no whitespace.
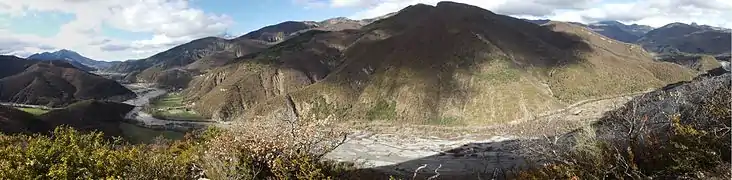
{"x":683,"y":132}
{"x":281,"y":149}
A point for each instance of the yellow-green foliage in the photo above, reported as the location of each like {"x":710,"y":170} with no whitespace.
{"x":70,"y":154}
{"x":382,"y":110}
{"x":500,"y":71}
{"x":323,"y":110}
{"x":34,"y":111}
{"x":172,"y":106}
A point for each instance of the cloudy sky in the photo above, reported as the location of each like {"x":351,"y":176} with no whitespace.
{"x":115,"y":30}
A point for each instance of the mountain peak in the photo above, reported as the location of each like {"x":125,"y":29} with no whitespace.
{"x":68,"y":55}
{"x":675,"y":24}
{"x":609,"y":22}
{"x":65,"y":51}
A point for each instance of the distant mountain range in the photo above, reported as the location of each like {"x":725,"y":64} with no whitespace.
{"x":678,"y":38}
{"x":176,"y":66}
{"x":74,"y":58}
{"x":620,"y":31}
{"x":672,"y":39}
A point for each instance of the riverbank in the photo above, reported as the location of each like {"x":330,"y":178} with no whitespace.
{"x":145,"y":93}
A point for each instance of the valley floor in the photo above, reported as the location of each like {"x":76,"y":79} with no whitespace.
{"x":145,"y":93}
{"x":450,"y":151}
{"x":464,"y":151}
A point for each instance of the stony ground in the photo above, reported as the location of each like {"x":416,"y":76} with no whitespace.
{"x":465,"y":152}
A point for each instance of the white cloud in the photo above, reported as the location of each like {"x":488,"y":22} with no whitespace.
{"x":650,"y":12}
{"x":170,"y":21}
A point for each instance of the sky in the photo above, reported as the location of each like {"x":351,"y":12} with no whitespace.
{"x":114,"y":30}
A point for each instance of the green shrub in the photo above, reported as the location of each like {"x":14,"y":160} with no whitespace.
{"x":70,"y":154}
{"x":382,"y":110}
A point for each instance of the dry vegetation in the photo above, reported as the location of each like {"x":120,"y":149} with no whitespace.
{"x":279,"y":150}
{"x":679,"y":133}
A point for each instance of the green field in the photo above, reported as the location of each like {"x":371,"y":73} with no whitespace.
{"x":34,"y":111}
{"x":137,"y":134}
{"x":171,"y":106}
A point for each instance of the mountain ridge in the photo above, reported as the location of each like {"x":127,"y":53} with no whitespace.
{"x":171,"y":69}
{"x":73,"y":57}
{"x":442,"y":60}
{"x":680,"y":38}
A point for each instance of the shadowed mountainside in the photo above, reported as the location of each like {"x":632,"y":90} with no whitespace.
{"x":449,"y":64}
{"x":90,"y":115}
{"x":54,"y":83}
{"x":14,"y":121}
{"x":12,"y":65}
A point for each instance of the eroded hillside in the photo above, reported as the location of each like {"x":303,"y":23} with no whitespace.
{"x":449,"y":64}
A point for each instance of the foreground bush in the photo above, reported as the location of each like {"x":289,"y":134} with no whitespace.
{"x":70,"y":154}
{"x":678,"y":133}
{"x":213,"y":154}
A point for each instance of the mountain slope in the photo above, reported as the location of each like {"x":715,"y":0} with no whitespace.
{"x":282,"y":31}
{"x":679,"y":38}
{"x":55,"y":83}
{"x":286,"y":67}
{"x":701,"y":64}
{"x":174,"y":67}
{"x":88,"y":115}
{"x":149,"y":69}
{"x":449,"y":64}
{"x":12,"y":65}
{"x":72,"y":57}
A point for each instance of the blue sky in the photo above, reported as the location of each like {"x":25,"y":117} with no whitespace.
{"x":132,"y":29}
